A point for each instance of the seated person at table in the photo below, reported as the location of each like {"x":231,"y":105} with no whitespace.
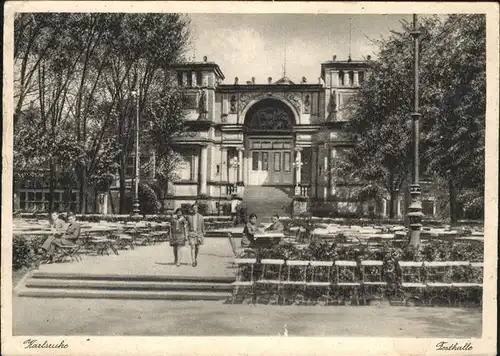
{"x":72,"y":234}
{"x":277,"y":225}
{"x":249,"y":231}
{"x":56,"y":225}
{"x":55,"y":222}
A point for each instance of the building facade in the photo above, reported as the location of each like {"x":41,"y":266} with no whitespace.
{"x":282,"y":134}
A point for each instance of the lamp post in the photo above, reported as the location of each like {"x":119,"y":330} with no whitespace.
{"x":297,"y":165}
{"x":235,"y":163}
{"x":415,"y":209}
{"x":136,"y":207}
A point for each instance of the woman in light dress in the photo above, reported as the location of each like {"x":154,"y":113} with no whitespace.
{"x":178,"y":234}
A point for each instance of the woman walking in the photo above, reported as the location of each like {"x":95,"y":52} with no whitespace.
{"x":196,"y":234}
{"x":178,"y":234}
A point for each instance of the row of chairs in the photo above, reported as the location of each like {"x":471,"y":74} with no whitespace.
{"x":104,"y":243}
{"x":280,"y":280}
{"x":292,"y":279}
{"x":441,"y":282}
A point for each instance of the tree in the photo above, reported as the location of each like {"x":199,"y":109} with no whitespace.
{"x":146,"y":45}
{"x":452,"y":82}
{"x":77,"y":72}
{"x":455,"y":120}
{"x":378,"y":117}
{"x":165,"y":116}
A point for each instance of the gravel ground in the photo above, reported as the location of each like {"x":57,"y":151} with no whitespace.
{"x":195,"y":318}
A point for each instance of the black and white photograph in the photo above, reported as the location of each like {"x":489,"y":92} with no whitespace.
{"x":230,"y":170}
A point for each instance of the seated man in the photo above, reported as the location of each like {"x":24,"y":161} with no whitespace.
{"x":55,"y":222}
{"x":277,"y":225}
{"x":248,"y":239}
{"x":56,"y":226}
{"x":249,"y":231}
{"x":72,"y":234}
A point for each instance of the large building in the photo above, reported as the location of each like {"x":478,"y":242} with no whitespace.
{"x":269,"y":144}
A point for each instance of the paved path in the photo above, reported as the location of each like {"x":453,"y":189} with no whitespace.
{"x":179,"y":318}
{"x":215,"y":259}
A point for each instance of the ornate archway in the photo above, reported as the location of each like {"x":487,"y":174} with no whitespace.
{"x":269,"y":116}
{"x":269,"y":142}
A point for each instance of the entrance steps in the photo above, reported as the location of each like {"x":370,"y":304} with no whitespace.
{"x":264,"y":201}
{"x":74,"y":285}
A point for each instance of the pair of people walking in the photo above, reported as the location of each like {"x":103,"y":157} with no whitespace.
{"x":190,"y":229}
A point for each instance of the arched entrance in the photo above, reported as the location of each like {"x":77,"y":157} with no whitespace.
{"x":269,"y":143}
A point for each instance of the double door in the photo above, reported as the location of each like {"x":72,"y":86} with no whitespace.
{"x":270,"y":163}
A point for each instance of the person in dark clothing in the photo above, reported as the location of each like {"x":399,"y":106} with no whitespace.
{"x":72,"y":234}
{"x":249,"y":231}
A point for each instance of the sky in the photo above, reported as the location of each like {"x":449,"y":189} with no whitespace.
{"x":253,"y":45}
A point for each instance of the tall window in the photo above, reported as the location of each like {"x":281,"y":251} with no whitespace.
{"x":255,"y":161}
{"x":351,"y":78}
{"x":265,"y":161}
{"x":341,"y":78}
{"x":179,"y":79}
{"x":277,"y":161}
{"x":361,"y":77}
{"x":199,"y":79}
{"x":428,"y":207}
{"x":286,"y":161}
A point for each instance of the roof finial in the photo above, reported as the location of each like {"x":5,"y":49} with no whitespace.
{"x":350,"y":37}
{"x":284,"y":64}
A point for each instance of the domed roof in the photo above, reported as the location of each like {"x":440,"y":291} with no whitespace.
{"x":285,"y":81}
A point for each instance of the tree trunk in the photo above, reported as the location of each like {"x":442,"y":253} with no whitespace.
{"x":453,"y":202}
{"x":111,"y":204}
{"x":83,"y":191}
{"x":392,"y":201}
{"x":121,"y":208}
{"x":52,"y":185}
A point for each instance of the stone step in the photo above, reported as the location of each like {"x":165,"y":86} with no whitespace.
{"x":130,"y":278}
{"x":119,"y":294}
{"x":126,"y":285}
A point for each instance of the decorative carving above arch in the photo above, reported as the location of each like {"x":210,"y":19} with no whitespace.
{"x":268,"y":115}
{"x":291,"y":98}
{"x":271,"y":118}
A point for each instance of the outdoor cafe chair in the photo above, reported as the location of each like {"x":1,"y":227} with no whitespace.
{"x":62,"y":252}
{"x":122,"y":240}
{"x":295,"y":281}
{"x":244,"y":285}
{"x":320,"y":273}
{"x":438,"y":278}
{"x":347,"y":279}
{"x":472,"y":283}
{"x":269,"y":282}
{"x":412,"y":286}
{"x":372,"y":277}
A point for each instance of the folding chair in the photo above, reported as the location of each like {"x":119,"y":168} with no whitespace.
{"x":66,"y":251}
{"x":294,"y":284}
{"x":321,"y":280}
{"x":372,"y":278}
{"x":244,"y":279}
{"x":346,"y":279}
{"x":438,"y":281}
{"x":472,"y":283}
{"x":122,"y":241}
{"x":270,"y":277}
{"x":411,"y":282}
